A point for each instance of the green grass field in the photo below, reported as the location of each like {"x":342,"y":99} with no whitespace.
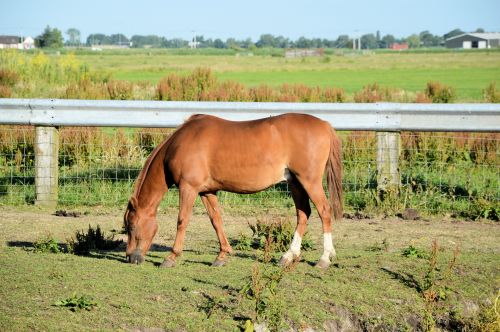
{"x":469,"y":73}
{"x":370,"y":286}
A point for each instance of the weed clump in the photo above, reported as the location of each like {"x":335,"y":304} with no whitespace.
{"x":76,"y":303}
{"x":491,"y":94}
{"x":440,"y":93}
{"x":270,"y":236}
{"x":262,"y":288}
{"x":8,"y":77}
{"x":47,"y":245}
{"x":120,"y":90}
{"x":414,"y":252}
{"x":93,"y":239}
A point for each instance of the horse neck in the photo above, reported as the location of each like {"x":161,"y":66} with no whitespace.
{"x":153,"y":186}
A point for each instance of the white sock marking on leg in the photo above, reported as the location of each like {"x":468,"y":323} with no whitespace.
{"x":328,"y":249}
{"x":294,"y":250}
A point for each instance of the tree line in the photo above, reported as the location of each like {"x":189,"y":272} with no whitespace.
{"x":52,"y":37}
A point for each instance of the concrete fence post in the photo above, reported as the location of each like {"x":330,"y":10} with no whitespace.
{"x":46,"y":165}
{"x":388,"y":152}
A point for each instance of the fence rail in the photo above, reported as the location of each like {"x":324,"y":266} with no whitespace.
{"x":343,"y":116}
{"x":49,"y":165}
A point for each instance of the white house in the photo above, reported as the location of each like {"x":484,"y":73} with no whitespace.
{"x":16,"y":42}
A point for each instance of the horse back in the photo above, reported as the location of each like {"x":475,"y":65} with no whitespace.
{"x":231,"y":155}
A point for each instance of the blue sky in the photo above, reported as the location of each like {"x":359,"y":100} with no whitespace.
{"x":243,"y":19}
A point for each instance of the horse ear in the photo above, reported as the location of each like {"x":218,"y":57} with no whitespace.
{"x":133,"y":203}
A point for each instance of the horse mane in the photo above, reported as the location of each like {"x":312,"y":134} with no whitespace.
{"x":142,"y":175}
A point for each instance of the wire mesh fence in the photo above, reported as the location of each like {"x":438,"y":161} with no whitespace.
{"x":440,"y":173}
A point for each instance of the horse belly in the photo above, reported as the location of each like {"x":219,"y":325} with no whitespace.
{"x":252,"y":179}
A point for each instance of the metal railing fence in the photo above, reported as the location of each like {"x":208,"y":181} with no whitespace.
{"x":436,"y":172}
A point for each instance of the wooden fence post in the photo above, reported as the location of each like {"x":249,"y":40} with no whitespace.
{"x":46,"y":165}
{"x":388,"y":151}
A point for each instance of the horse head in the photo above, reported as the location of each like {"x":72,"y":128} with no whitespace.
{"x":141,"y":228}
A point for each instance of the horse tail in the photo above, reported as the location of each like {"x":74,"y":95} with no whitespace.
{"x":334,"y":175}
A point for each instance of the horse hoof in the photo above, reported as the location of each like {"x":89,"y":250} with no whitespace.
{"x":167,"y":263}
{"x":219,"y":262}
{"x":135,"y":257}
{"x":284,"y":262}
{"x":323,"y":264}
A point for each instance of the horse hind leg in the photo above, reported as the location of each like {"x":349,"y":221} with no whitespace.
{"x":187,"y":196}
{"x":212,"y":205}
{"x":315,"y":191}
{"x":303,"y":210}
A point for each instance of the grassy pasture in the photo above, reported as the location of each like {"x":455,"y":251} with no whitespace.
{"x":469,"y":73}
{"x":371,"y":285}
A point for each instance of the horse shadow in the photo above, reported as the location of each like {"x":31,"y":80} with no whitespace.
{"x":405,"y":278}
{"x":116,"y":253}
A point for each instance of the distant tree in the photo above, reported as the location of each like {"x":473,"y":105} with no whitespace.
{"x":232,"y":43}
{"x":387,"y":41}
{"x":479,"y":30}
{"x":369,"y":41}
{"x":74,"y":36}
{"x":427,"y":39}
{"x":98,"y":39}
{"x":175,"y":43}
{"x":119,"y":39}
{"x":303,"y":42}
{"x":266,"y":40}
{"x":50,"y":38}
{"x":218,"y":43}
{"x":248,"y":43}
{"x":453,"y":33}
{"x":342,"y":42}
{"x":413,"y":41}
{"x":282,"y":42}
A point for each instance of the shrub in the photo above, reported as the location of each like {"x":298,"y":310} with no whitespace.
{"x":422,"y":98}
{"x":262,"y":93}
{"x":47,"y":245}
{"x":440,"y":93}
{"x":491,"y":94}
{"x":5,"y":91}
{"x":86,"y":89}
{"x":263,"y":289}
{"x":120,"y":90}
{"x":8,"y":77}
{"x":94,"y":239}
{"x":279,"y":233}
{"x":333,"y":95}
{"x":370,"y":93}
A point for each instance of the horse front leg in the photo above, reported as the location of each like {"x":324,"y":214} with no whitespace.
{"x":187,"y":196}
{"x":212,"y":205}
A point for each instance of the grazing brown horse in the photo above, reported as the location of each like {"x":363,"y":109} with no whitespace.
{"x":207,"y":154}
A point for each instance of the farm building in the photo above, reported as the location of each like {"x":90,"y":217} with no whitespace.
{"x":399,"y":46}
{"x":474,"y":40}
{"x":17,"y":42}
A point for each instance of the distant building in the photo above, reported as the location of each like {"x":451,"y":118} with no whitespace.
{"x":17,"y":42}
{"x":399,"y":46}
{"x":474,"y":40}
{"x":301,"y":53}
